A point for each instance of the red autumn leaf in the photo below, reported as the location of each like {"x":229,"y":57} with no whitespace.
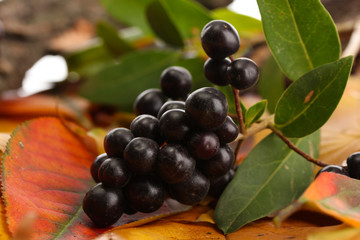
{"x":333,"y":194}
{"x":46,"y":172}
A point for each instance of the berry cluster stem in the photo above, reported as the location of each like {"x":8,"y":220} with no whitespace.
{"x":297,"y":150}
{"x":239,"y":111}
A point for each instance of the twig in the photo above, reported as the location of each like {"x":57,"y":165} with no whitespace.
{"x":239,"y":111}
{"x":259,"y":126}
{"x":297,"y":150}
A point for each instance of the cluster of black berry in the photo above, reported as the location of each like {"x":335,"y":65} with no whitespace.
{"x":173,"y":147}
{"x":352,"y":168}
{"x":221,"y":40}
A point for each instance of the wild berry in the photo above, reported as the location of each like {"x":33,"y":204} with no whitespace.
{"x":176,"y":82}
{"x":243,"y":73}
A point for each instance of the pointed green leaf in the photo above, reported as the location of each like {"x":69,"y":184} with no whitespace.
{"x":130,"y":12}
{"x":270,"y":177}
{"x":184,"y":18}
{"x":161,"y":23}
{"x":255,"y":112}
{"x":111,"y":39}
{"x":271,"y":83}
{"x":245,"y":25}
{"x":300,"y":34}
{"x":120,"y":83}
{"x":309,"y":102}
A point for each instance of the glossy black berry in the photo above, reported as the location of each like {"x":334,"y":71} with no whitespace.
{"x":114,"y":172}
{"x":219,"y":164}
{"x":243,"y":73}
{"x":145,"y":193}
{"x":219,"y":39}
{"x":94,"y":169}
{"x":228,"y":131}
{"x":207,"y":108}
{"x":218,"y":185}
{"x":174,"y":125}
{"x":146,"y":125}
{"x":116,"y":140}
{"x":141,"y":154}
{"x":334,"y":169}
{"x":215,"y":71}
{"x":191,"y":191}
{"x":103,"y":205}
{"x":149,"y":102}
{"x":353,"y":164}
{"x":176,"y":82}
{"x":175,"y":164}
{"x":170,"y":105}
{"x":203,"y":145}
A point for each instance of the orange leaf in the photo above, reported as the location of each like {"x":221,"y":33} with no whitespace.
{"x":333,"y":194}
{"x":46,"y":171}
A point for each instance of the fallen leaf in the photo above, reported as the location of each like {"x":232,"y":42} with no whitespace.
{"x":336,"y":234}
{"x":4,"y":138}
{"x":4,"y":232}
{"x":46,"y":171}
{"x":333,"y":194}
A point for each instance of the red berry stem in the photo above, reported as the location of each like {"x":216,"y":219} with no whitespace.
{"x":297,"y":150}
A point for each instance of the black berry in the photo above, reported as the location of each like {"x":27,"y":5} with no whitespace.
{"x":334,"y":169}
{"x":146,"y":125}
{"x":174,"y":125}
{"x":218,"y":185}
{"x":228,"y":131}
{"x":176,"y":82}
{"x":145,"y":193}
{"x":243,"y":73}
{"x":170,"y":105}
{"x":175,"y":164}
{"x":103,"y":205}
{"x":215,"y":71}
{"x":191,"y":191}
{"x":203,"y":145}
{"x":207,"y":108}
{"x":219,"y":164}
{"x":149,"y":102}
{"x":141,"y":154}
{"x":94,"y":169}
{"x":353,"y":164}
{"x":114,"y":172}
{"x":116,"y":140}
{"x":219,"y":39}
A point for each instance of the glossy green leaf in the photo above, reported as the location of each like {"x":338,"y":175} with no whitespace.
{"x":245,"y":25}
{"x":255,"y":112}
{"x":184,"y":18}
{"x":271,"y":83}
{"x":270,"y":177}
{"x":161,"y":23}
{"x":120,"y":83}
{"x":309,"y":102}
{"x":111,"y":39}
{"x":300,"y":34}
{"x":130,"y":12}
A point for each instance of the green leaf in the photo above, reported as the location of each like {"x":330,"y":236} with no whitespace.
{"x":89,"y":60}
{"x":270,"y":177}
{"x":300,"y":34}
{"x":309,"y":102}
{"x":130,"y":12}
{"x":111,"y":39}
{"x":271,"y":83}
{"x":245,"y":25}
{"x":184,"y":18}
{"x":255,"y":112}
{"x":120,"y":83}
{"x":162,"y":24}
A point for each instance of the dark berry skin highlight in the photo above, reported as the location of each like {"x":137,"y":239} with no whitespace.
{"x":333,"y":169}
{"x":146,"y":125}
{"x":170,"y":105}
{"x":116,"y":140}
{"x":353,"y":164}
{"x":114,"y":172}
{"x":219,"y":39}
{"x":228,"y":131}
{"x":149,"y":102}
{"x":243,"y":73}
{"x":215,"y":71}
{"x":174,"y":125}
{"x":94,"y":169}
{"x":103,"y":205}
{"x":176,"y":82}
{"x":203,"y":145}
